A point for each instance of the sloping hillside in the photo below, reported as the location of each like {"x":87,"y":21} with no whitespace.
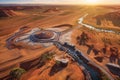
{"x":9,"y":13}
{"x":6,"y":13}
{"x":114,"y":17}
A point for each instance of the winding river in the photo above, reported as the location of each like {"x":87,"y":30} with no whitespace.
{"x":80,"y":21}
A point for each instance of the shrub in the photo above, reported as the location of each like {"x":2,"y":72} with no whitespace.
{"x":47,"y":56}
{"x":16,"y":73}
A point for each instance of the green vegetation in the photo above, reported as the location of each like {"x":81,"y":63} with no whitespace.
{"x":47,"y":56}
{"x":16,"y":73}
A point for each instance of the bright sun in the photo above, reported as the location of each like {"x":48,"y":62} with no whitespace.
{"x":91,"y":1}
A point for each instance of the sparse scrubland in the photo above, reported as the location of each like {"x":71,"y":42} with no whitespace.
{"x":40,"y":63}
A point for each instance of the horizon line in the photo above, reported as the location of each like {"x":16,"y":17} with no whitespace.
{"x":53,"y":4}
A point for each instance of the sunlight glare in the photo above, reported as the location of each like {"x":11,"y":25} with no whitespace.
{"x":91,"y":1}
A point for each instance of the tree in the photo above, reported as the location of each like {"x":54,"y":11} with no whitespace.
{"x":16,"y":73}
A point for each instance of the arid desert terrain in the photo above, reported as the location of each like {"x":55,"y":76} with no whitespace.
{"x":59,"y":42}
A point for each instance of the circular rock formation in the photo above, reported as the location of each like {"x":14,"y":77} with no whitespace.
{"x":44,"y":36}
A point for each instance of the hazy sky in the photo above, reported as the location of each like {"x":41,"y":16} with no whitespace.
{"x":63,"y":1}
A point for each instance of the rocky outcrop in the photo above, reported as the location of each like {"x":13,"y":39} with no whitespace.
{"x":7,"y":13}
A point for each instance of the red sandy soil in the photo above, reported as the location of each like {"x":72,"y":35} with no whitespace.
{"x":46,"y":35}
{"x":13,"y":58}
{"x":99,"y":41}
{"x":72,"y":71}
{"x":9,"y":58}
{"x":42,"y":21}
